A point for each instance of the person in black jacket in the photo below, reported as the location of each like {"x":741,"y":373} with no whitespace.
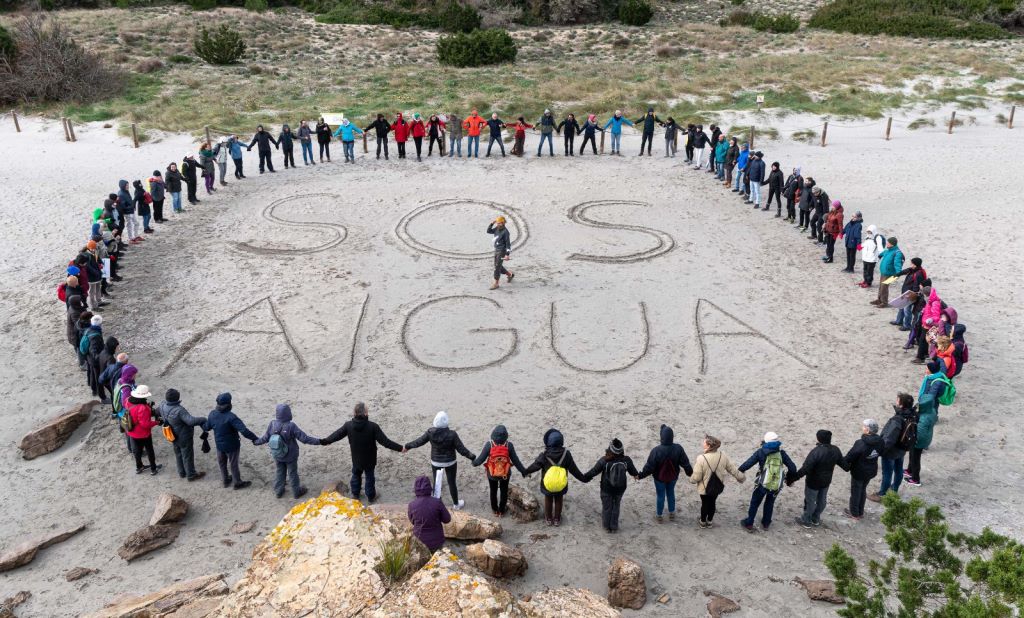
{"x":188,"y":172}
{"x":589,"y":131}
{"x":691,"y":132}
{"x":647,"y":136}
{"x":495,"y":124}
{"x":913,"y":276}
{"x":554,"y":454}
{"x":444,"y":443}
{"x":262,"y":140}
{"x":862,"y":462}
{"x":791,"y":191}
{"x":755,"y":177}
{"x":716,"y":132}
{"x":499,"y":468}
{"x":613,"y":468}
{"x":323,"y":138}
{"x":173,"y":180}
{"x":502,"y":250}
{"x":285,"y":139}
{"x":381,"y":127}
{"x":572,"y":129}
{"x":817,"y":468}
{"x":732,"y":155}
{"x":820,"y":204}
{"x":904,"y":414}
{"x":663,"y":464}
{"x":774,"y":183}
{"x":700,"y":143}
{"x":363,"y":437}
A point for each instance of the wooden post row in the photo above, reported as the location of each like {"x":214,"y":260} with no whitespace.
{"x":888,"y":128}
{"x":952,"y":120}
{"x":824,"y":132}
{"x":17,"y":125}
{"x":135,"y":136}
{"x":751,"y":137}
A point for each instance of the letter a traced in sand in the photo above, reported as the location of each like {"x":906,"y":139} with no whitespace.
{"x":750,"y":332}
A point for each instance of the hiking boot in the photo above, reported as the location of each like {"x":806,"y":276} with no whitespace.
{"x":918,"y":361}
{"x":557,"y":522}
{"x":139,"y":470}
{"x":196,"y":476}
{"x":301,"y":492}
{"x":278,"y":494}
{"x":227,"y":482}
{"x":243,"y":484}
{"x":875,"y":497}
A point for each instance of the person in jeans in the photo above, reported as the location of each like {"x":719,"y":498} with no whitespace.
{"x":495,"y":125}
{"x":817,"y":469}
{"x":173,"y":179}
{"x":473,"y":124}
{"x":742,"y":160}
{"x":454,"y":135}
{"x":904,"y":413}
{"x":890,"y":262}
{"x":721,"y":150}
{"x":226,"y":426}
{"x":663,"y":463}
{"x":770,"y":445}
{"x":862,"y":463}
{"x":616,"y":122}
{"x":306,"y":142}
{"x":347,"y":131}
{"x":444,"y":444}
{"x":712,"y":462}
{"x":183,"y":425}
{"x":499,"y":468}
{"x":288,"y":461}
{"x":363,"y":437}
{"x":755,"y":176}
{"x":546,"y":124}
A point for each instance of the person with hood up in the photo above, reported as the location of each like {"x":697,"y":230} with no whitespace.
{"x":663,"y":463}
{"x":126,"y":208}
{"x":616,"y":122}
{"x":183,"y":425}
{"x":262,"y":140}
{"x":502,"y":250}
{"x":418,"y":131}
{"x":75,"y":307}
{"x":519,"y":130}
{"x":122,"y":392}
{"x":401,"y":130}
{"x":347,"y":131}
{"x":833,"y":230}
{"x":700,"y":144}
{"x":818,"y":467}
{"x":94,"y":275}
{"x":732,"y":155}
{"x":896,"y":430}
{"x":927,"y":416}
{"x":647,"y":130}
{"x":934,"y":384}
{"x":755,"y":176}
{"x":92,"y":344}
{"x":742,"y":160}
{"x":709,"y":477}
{"x":226,"y":426}
{"x":671,"y":137}
{"x":81,"y":328}
{"x":572,"y":129}
{"x":890,"y":262}
{"x":774,"y":465}
{"x":961,"y":351}
{"x":306,"y":141}
{"x":873,"y":245}
{"x":805,"y":201}
{"x":363,"y":437}
{"x":473,"y":125}
{"x":427,"y":515}
{"x":323,"y":139}
{"x":142,"y":200}
{"x":613,"y":468}
{"x":287,"y":141}
{"x":174,"y":179}
{"x":775,"y":184}
{"x":546,"y":124}
{"x":862,"y":462}
{"x":221,"y":154}
{"x":108,"y":358}
{"x":189,"y":169}
{"x":791,"y":191}
{"x":589,"y":130}
{"x":157,"y":191}
{"x":556,"y":460}
{"x":381,"y":128}
{"x":207,"y":162}
{"x":141,"y":433}
{"x":235,"y":150}
{"x":495,"y":125}
{"x":285,"y":449}
{"x":435,"y":134}
{"x":444,"y":444}
{"x":498,"y":457}
{"x":851,"y":234}
{"x":112,"y":375}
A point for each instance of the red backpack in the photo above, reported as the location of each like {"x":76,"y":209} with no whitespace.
{"x":62,"y":292}
{"x":498,"y":464}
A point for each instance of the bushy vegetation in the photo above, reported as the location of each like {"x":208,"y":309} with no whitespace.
{"x":635,"y":12}
{"x":7,"y":45}
{"x":477,"y":48}
{"x":762,"y":22}
{"x":959,"y":19}
{"x":219,"y":46}
{"x":257,"y":6}
{"x":202,"y":5}
{"x":450,"y":16}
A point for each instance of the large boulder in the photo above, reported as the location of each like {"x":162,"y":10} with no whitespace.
{"x":192,"y":598}
{"x":466,"y":527}
{"x":25,"y":552}
{"x":568,"y":603}
{"x":626,"y":584}
{"x":169,"y":509}
{"x":522,"y":504}
{"x":496,"y":559}
{"x":719,"y":605}
{"x":52,"y":434}
{"x":148,"y":539}
{"x":821,"y":590}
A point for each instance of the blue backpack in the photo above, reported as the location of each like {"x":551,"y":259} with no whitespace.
{"x":278,"y":446}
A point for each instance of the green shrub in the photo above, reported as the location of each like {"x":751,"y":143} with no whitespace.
{"x":220,"y":46}
{"x":449,"y":15}
{"x":958,"y":19}
{"x":776,"y":23}
{"x":477,"y":48}
{"x":256,"y":6}
{"x":739,"y":17}
{"x":635,"y":12}
{"x":180,"y":59}
{"x":455,"y":17}
{"x":202,"y":5}
{"x":8,"y":48}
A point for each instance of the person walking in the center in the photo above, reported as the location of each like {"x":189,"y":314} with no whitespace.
{"x":502,"y":250}
{"x":663,"y":464}
{"x":613,"y":468}
{"x":774,"y":465}
{"x":444,"y":443}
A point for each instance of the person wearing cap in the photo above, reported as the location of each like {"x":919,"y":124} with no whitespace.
{"x":616,"y":122}
{"x":648,"y":121}
{"x":262,"y":140}
{"x":572,"y":129}
{"x":820,"y":203}
{"x":755,"y":176}
{"x":363,"y":437}
{"x":832,"y":230}
{"x":173,"y":178}
{"x":589,"y":131}
{"x":817,"y":471}
{"x":306,"y":141}
{"x":502,"y":250}
{"x":495,"y":125}
{"x":287,"y":141}
{"x":444,"y":444}
{"x":226,"y":426}
{"x":712,"y":463}
{"x":288,"y":460}
{"x":183,"y":424}
{"x":700,"y":143}
{"x":663,"y":463}
{"x":143,"y":421}
{"x":873,"y":245}
{"x":770,"y":446}
{"x":851,"y":235}
{"x":893,"y":450}
{"x":189,"y":171}
{"x":546,"y":125}
{"x":473,"y":124}
{"x":554,"y":454}
{"x":612,"y":467}
{"x":862,"y":463}
{"x":890,"y":262}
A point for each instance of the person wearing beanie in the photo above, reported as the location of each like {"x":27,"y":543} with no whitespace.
{"x":913,"y":278}
{"x":157,"y":192}
{"x":773,"y":467}
{"x":286,"y":456}
{"x":498,"y":457}
{"x":613,"y":468}
{"x":427,"y":515}
{"x":554,"y":455}
{"x":108,"y":358}
{"x":756,"y":178}
{"x":173,"y":178}
{"x":775,"y":184}
{"x":647,"y":122}
{"x":893,"y":446}
{"x":700,"y":141}
{"x":820,"y":203}
{"x":444,"y":444}
{"x":862,"y":463}
{"x":226,"y":426}
{"x":74,"y":308}
{"x":141,"y":433}
{"x":183,"y":424}
{"x":663,"y":463}
{"x":502,"y":250}
{"x":287,"y":141}
{"x":262,"y":139}
{"x":890,"y":262}
{"x":852,"y":235}
{"x":817,"y":469}
{"x":363,"y":437}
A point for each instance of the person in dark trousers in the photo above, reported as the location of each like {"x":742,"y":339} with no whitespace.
{"x":108,"y":359}
{"x":546,"y":126}
{"x":502,"y":250}
{"x":647,"y":130}
{"x":671,"y":136}
{"x":851,"y":239}
{"x":444,"y":444}
{"x":323,"y":139}
{"x":589,"y":131}
{"x":663,"y":463}
{"x":862,"y":462}
{"x":775,"y":185}
{"x":428,"y":515}
{"x":262,"y":140}
{"x":495,"y":125}
{"x":286,"y":456}
{"x":832,"y":229}
{"x":913,"y":278}
{"x":143,"y":421}
{"x":770,"y":459}
{"x":716,"y":133}
{"x":235,"y":150}
{"x":363,"y":437}
{"x":822,"y":204}
{"x":893,"y":451}
{"x":817,"y":471}
{"x":927,"y":416}
{"x":689,"y":135}
{"x":183,"y":424}
{"x":381,"y":128}
{"x":287,"y":141}
{"x":435,"y":135}
{"x":157,"y":190}
{"x":226,"y":426}
{"x":805,"y":203}
{"x":572,"y":129}
{"x":554,"y":454}
{"x":791,"y":191}
{"x":499,"y":457}
{"x":732,"y":156}
{"x":613,"y":468}
{"x":189,"y":170}
{"x":142,"y":205}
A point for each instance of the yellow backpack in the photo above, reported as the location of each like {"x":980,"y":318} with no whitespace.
{"x":556,"y":479}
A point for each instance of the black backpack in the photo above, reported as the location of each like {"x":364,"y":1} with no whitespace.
{"x":714,"y":486}
{"x":615,"y":472}
{"x":908,"y":435}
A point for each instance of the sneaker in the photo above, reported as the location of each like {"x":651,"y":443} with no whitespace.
{"x":278,"y":494}
{"x":227,"y":482}
{"x":800,"y":522}
{"x":765,"y":527}
{"x":702,"y":525}
{"x":659,"y":519}
{"x":912,"y":482}
{"x":557,"y":522}
{"x":671,"y":516}
{"x":196,"y":476}
{"x":139,"y":470}
{"x":548,"y":522}
{"x":906,"y":474}
{"x":243,"y":484}
{"x":157,"y":469}
{"x":850,"y":515}
{"x":461,"y":504}
{"x":747,"y":527}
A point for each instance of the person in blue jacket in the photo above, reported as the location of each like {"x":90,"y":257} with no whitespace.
{"x":235,"y":150}
{"x":226,"y":427}
{"x":287,"y":455}
{"x":346,"y":130}
{"x":741,"y":166}
{"x":851,"y":235}
{"x":616,"y":122}
{"x":766,"y":489}
{"x":890,"y":262}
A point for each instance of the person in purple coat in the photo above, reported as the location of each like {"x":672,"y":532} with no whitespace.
{"x":428,"y":515}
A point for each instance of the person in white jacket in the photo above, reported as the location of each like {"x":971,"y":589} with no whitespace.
{"x":874,"y":243}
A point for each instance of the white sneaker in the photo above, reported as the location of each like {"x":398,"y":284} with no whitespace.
{"x":459,"y":506}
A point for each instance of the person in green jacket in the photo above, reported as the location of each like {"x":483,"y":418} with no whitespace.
{"x":927,"y":415}
{"x":721,"y":148}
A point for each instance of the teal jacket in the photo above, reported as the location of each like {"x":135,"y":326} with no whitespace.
{"x":347,"y":132}
{"x":616,"y":124}
{"x":720,"y":150}
{"x":927,"y":415}
{"x":890,"y":262}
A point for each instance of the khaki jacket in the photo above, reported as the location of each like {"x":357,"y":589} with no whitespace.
{"x":707,"y":463}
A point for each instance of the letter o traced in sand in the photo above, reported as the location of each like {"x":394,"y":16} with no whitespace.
{"x":406,"y":327}
{"x":338,"y":232}
{"x":517,"y":227}
{"x":578,"y":214}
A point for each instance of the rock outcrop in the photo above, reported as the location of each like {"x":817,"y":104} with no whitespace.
{"x":25,"y":552}
{"x":568,"y":603}
{"x":193,"y":598}
{"x":522,"y":504}
{"x":169,"y":509}
{"x":821,"y":590}
{"x":719,"y":605}
{"x":466,"y":527}
{"x":148,"y":539}
{"x":496,"y":559}
{"x":626,"y":584}
{"x":52,"y":434}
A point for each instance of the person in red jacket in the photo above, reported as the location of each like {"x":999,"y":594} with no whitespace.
{"x":141,"y":433}
{"x":473,"y":125}
{"x":520,"y":127}
{"x":418,"y":131}
{"x":401,"y":130}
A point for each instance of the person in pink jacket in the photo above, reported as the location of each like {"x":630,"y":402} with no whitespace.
{"x":141,"y":433}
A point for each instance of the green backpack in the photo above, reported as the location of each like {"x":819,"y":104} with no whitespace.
{"x":771,"y":476}
{"x":948,"y":395}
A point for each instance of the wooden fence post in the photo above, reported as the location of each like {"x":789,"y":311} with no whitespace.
{"x":824,"y":132}
{"x":207,"y":129}
{"x":888,"y":128}
{"x":365,"y":147}
{"x":1009,"y":124}
{"x":17,"y":125}
{"x":135,"y":136}
{"x":602,"y":142}
{"x":71,"y":130}
{"x":952,"y":120}
{"x":751,"y":136}
{"x":64,"y":125}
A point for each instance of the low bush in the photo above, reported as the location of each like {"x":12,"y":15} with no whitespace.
{"x":256,"y":6}
{"x":8,"y":48}
{"x":776,"y":23}
{"x":808,"y":136}
{"x":202,"y":5}
{"x":477,"y":48}
{"x":450,"y":15}
{"x":739,"y":17}
{"x":957,"y":19}
{"x":180,"y":59}
{"x":635,"y":12}
{"x":455,"y":17}
{"x":219,"y":46}
{"x":149,"y":65}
